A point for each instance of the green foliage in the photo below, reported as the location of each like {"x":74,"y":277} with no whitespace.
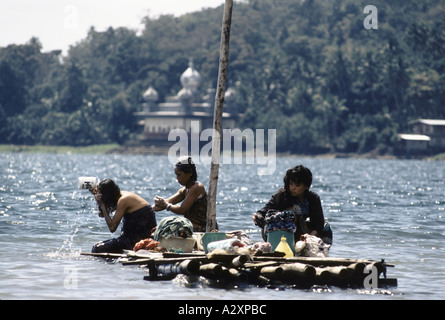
{"x":306,"y":68}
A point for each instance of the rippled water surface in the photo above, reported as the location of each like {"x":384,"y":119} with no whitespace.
{"x":379,"y":209}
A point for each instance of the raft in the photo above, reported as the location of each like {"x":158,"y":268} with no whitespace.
{"x":270,"y":269}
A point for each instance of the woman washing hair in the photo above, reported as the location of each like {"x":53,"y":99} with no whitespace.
{"x":136,"y":214}
{"x":191,"y":200}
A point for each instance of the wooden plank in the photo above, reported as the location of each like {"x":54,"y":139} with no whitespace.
{"x":163,"y":260}
{"x":136,"y":262}
{"x":189,"y":254}
{"x":103,"y":255}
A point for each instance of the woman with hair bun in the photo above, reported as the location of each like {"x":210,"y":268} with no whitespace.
{"x":191,"y":200}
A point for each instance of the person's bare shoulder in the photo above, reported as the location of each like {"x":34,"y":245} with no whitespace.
{"x":199,"y":187}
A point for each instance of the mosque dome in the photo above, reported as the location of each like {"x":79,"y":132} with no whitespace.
{"x":190,"y":79}
{"x":150,"y":95}
{"x":185,"y":94}
{"x":230,"y":95}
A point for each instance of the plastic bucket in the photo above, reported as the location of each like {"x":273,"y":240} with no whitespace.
{"x":274,"y":239}
{"x":176,"y":243}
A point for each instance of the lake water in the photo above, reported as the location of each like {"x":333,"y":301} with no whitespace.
{"x":378,"y":209}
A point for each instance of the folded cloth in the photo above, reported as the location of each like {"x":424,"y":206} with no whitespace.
{"x":174,"y":226}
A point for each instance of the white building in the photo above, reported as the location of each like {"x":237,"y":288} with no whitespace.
{"x":428,"y":137}
{"x":413,"y":143}
{"x":178,"y":112}
{"x":433,"y":128}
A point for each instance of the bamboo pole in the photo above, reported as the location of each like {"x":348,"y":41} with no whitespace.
{"x":187,"y":267}
{"x":339,"y":272}
{"x":315,"y":261}
{"x":298,"y":269}
{"x":323,"y":274}
{"x":272,"y":273}
{"x":239,"y":261}
{"x":236,"y":275}
{"x":210,"y":269}
{"x":217,"y":115}
{"x":357,"y":268}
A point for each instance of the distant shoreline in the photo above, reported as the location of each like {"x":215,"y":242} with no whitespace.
{"x":100,"y":148}
{"x":152,"y":150}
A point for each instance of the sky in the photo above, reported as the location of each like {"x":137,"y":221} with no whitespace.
{"x":61,"y":23}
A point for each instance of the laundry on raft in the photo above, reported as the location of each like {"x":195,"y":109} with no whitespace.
{"x":173,"y":227}
{"x":280,"y":221}
{"x":236,"y":258}
{"x":146,"y":244}
{"x":180,"y":227}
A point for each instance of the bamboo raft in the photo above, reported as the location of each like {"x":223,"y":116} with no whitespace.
{"x":259,"y":270}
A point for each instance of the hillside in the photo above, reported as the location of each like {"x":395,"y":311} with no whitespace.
{"x":309,"y":69}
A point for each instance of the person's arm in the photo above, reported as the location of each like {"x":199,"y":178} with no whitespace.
{"x":113,"y":222}
{"x":121,"y":208}
{"x":171,"y":204}
{"x":315,"y":214}
{"x":195,"y":191}
{"x":94,"y":192}
{"x":161,"y":203}
{"x":259,"y":216}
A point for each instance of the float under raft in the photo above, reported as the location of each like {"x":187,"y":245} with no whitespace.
{"x":259,"y":270}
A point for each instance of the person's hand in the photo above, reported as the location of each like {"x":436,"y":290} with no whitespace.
{"x":256,"y":219}
{"x":314,"y":233}
{"x":101,"y":214}
{"x":160,"y":202}
{"x":96,"y":193}
{"x":98,"y":197}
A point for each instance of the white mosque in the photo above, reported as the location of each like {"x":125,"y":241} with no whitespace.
{"x":186,"y":109}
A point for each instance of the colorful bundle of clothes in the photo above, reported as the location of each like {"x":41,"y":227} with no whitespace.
{"x":174,"y":226}
{"x":264,"y":247}
{"x":280,"y":221}
{"x":147,"y":244}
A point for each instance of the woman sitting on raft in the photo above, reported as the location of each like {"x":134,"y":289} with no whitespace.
{"x":137,"y":215}
{"x":191,"y":200}
{"x":296,"y":197}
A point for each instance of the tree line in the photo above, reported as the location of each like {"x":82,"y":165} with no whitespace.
{"x":309,"y":69}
